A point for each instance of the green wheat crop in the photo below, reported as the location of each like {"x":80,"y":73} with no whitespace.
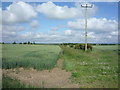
{"x":30,"y":56}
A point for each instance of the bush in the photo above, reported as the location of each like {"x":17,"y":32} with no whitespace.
{"x":71,"y":45}
{"x":82,"y":46}
{"x":89,"y":47}
{"x":28,"y":42}
{"x":14,"y":42}
{"x":25,"y":43}
{"x":77,"y":46}
{"x":20,"y":43}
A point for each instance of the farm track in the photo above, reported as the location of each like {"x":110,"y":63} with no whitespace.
{"x":55,"y":78}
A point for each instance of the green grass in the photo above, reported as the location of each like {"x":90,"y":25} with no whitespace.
{"x":0,"y":56}
{"x":93,"y":69}
{"x":8,"y":82}
{"x":36,"y":56}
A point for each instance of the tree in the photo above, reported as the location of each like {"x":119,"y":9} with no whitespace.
{"x":28,"y":42}
{"x":25,"y":43}
{"x":20,"y":43}
{"x":33,"y":42}
{"x":14,"y":42}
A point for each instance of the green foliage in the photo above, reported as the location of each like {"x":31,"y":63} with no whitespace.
{"x":71,"y":45}
{"x":8,"y":82}
{"x":77,"y":46}
{"x":75,"y":74}
{"x":14,"y":42}
{"x":24,"y":42}
{"x":20,"y":43}
{"x":82,"y":46}
{"x":28,"y":42}
{"x":37,"y":56}
{"x":96,"y":69}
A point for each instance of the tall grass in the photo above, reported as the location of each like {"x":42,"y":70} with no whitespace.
{"x":0,"y":55}
{"x":8,"y":82}
{"x":36,"y":56}
{"x":93,"y":69}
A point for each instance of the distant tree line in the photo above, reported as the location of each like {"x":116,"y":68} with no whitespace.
{"x":25,"y":42}
{"x":88,"y":43}
{"x":20,"y":42}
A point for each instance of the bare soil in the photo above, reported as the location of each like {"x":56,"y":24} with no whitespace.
{"x":55,"y":78}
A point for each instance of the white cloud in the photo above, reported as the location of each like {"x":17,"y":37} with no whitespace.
{"x":109,"y":36}
{"x":91,"y":35}
{"x":0,"y":27}
{"x":94,"y":24}
{"x":9,"y":34}
{"x":104,"y":0}
{"x":53,"y":37}
{"x":27,"y":34}
{"x":40,"y":36}
{"x":10,"y":31}
{"x":68,"y":32}
{"x":0,"y":24}
{"x":61,"y":12}
{"x":10,"y":28}
{"x":114,"y":33}
{"x":0,"y":16}
{"x":18,"y":12}
{"x":0,"y":20}
{"x":34,"y":24}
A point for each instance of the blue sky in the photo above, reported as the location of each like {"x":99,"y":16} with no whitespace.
{"x":53,"y":22}
{"x":108,"y":10}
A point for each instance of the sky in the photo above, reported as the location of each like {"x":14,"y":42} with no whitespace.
{"x":59,"y":22}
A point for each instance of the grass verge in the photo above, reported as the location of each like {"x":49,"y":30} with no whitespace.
{"x":92,"y":69}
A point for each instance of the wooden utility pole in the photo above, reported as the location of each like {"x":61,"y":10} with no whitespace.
{"x":86,"y":6}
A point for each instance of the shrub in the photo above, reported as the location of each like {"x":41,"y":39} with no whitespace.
{"x":82,"y":46}
{"x":77,"y":46}
{"x":28,"y":42}
{"x":89,"y":47}
{"x":20,"y":43}
{"x":33,"y":42}
{"x":25,"y":43}
{"x":71,"y":45}
{"x":14,"y":42}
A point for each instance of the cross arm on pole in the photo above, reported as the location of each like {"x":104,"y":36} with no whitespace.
{"x":86,"y":6}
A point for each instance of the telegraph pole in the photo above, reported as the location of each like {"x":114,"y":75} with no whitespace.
{"x":86,"y":6}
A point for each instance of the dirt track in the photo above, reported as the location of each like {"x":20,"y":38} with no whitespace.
{"x":56,"y":78}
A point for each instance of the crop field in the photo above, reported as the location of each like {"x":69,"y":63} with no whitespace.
{"x":93,"y":69}
{"x":30,"y":56}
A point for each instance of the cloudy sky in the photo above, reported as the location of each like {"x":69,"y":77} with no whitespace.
{"x":56,"y":22}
